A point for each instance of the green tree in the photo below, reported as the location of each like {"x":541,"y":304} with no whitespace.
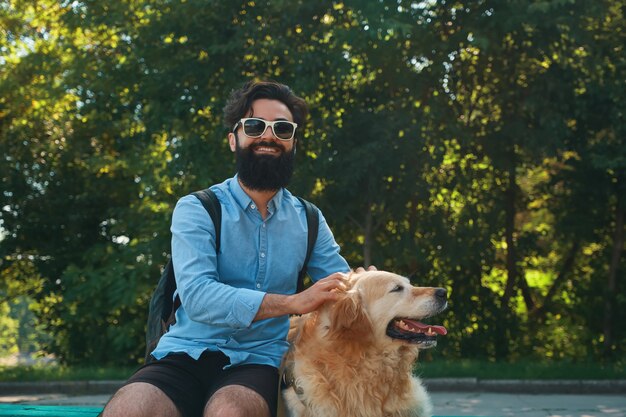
{"x":477,"y":145}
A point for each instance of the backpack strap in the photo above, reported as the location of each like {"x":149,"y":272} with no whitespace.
{"x":169,"y":288}
{"x":212,"y":205}
{"x":312,"y":222}
{"x":214,"y":208}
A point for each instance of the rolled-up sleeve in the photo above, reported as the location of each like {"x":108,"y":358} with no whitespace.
{"x":204,"y":298}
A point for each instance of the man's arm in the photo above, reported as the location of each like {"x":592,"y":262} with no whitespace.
{"x":326,"y":289}
{"x":205,"y":299}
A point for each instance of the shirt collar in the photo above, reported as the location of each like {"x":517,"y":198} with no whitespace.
{"x":239,"y":194}
{"x":276,"y":201}
{"x":244,"y":199}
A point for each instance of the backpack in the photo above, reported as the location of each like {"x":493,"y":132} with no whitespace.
{"x":163,"y":305}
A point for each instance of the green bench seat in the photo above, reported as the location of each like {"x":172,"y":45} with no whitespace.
{"x":14,"y":410}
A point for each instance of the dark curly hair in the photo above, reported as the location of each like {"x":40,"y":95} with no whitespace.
{"x":240,"y":102}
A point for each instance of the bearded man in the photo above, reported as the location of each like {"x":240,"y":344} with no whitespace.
{"x":221,"y":357}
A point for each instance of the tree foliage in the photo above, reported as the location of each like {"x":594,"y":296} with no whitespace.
{"x":478,"y":145}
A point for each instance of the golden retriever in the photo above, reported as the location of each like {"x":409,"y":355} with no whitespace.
{"x":354,"y":357}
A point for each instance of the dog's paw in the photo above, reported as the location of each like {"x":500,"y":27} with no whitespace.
{"x":293,"y":405}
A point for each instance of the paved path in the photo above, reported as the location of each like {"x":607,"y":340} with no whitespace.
{"x":528,"y":405}
{"x":446,"y":403}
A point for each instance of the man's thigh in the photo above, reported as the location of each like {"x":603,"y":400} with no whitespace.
{"x":182,"y":379}
{"x":190,"y":383}
{"x":236,"y":400}
{"x":251,"y":389}
{"x":140,"y":399}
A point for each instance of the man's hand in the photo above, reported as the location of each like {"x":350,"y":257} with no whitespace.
{"x":326,"y":289}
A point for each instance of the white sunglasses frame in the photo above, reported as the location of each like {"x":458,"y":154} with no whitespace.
{"x":267,"y":124}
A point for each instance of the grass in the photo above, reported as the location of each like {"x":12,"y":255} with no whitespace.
{"x":524,"y":369}
{"x":437,"y":369}
{"x":62,"y":373}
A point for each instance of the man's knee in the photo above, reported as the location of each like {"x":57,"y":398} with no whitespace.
{"x":236,"y":401}
{"x":140,"y":399}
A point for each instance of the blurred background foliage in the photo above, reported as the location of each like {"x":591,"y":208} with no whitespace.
{"x":477,"y":145}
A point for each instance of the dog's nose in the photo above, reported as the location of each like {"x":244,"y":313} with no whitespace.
{"x":441,"y":293}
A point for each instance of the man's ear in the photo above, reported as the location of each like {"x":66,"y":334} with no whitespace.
{"x":232,"y":141}
{"x":349,"y":319}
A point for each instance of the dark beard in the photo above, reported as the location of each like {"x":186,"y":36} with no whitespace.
{"x":264,"y":172}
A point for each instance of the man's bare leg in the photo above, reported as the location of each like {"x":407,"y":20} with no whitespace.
{"x":140,"y":399}
{"x":236,"y":401}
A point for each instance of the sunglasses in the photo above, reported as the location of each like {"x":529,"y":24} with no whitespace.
{"x":255,"y":128}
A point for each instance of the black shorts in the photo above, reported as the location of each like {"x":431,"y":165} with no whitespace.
{"x":190,"y":383}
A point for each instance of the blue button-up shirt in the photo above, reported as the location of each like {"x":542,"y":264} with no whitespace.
{"x":221,"y":293}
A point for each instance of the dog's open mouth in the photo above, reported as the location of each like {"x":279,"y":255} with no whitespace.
{"x":413,"y":331}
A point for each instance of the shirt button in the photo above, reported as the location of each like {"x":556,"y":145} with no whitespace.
{"x":262,"y":254}
{"x":264,"y":225}
{"x":258,"y":285}
{"x":252,"y":206}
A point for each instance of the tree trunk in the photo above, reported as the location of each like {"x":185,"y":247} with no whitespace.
{"x":511,"y":255}
{"x":618,"y":244}
{"x":527,"y":294}
{"x":367,"y":241}
{"x":503,"y":327}
{"x":539,"y":312}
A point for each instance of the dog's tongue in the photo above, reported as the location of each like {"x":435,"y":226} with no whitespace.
{"x":440,"y":330}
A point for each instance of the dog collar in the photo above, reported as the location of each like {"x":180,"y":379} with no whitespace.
{"x":289,"y":381}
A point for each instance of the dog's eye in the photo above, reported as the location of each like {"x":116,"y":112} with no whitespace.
{"x":397,"y":288}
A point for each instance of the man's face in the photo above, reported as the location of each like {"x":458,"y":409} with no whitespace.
{"x":264,"y":163}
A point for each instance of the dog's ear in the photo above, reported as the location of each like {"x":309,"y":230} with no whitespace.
{"x":349,"y":319}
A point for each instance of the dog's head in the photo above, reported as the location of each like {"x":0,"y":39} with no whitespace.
{"x":386,"y":309}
